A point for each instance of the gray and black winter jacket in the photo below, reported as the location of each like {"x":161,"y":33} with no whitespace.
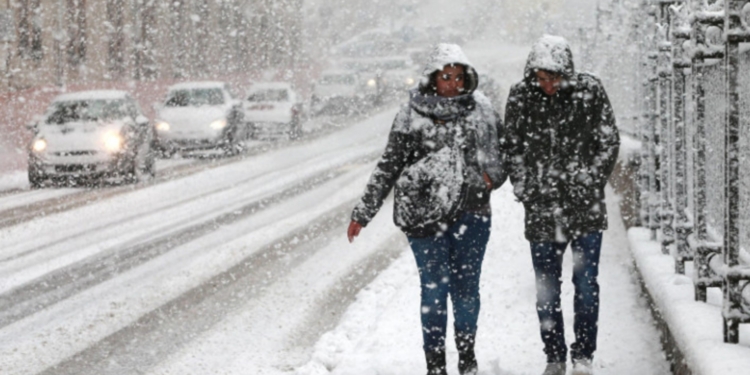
{"x":429,"y":123}
{"x":561,"y":148}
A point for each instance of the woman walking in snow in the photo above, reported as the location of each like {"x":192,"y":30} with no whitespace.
{"x":442,"y":161}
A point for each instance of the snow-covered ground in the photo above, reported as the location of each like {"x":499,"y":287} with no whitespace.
{"x":380,"y":332}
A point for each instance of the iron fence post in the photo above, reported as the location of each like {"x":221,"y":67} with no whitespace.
{"x":680,"y":32}
{"x":735,"y":33}
{"x":652,"y":115}
{"x":653,"y":159}
{"x":666,"y":212}
{"x":704,"y":276}
{"x":643,"y":126}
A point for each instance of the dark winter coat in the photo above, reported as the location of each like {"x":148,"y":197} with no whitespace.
{"x":561,"y":148}
{"x":430,"y":123}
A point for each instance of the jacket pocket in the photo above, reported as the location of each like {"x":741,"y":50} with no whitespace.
{"x":477,"y":194}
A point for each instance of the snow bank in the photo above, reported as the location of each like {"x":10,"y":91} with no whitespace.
{"x":695,"y":326}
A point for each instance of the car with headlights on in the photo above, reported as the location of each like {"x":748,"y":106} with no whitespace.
{"x":337,"y":91}
{"x":199,"y":116}
{"x":385,"y":76}
{"x":91,"y":135}
{"x":272,"y":110}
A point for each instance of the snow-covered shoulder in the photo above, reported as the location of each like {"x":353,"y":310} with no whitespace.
{"x":484,"y":106}
{"x":588,"y":81}
{"x":402,"y":121}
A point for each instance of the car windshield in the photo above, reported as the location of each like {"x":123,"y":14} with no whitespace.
{"x":87,"y":110}
{"x":271,"y":95}
{"x":340,"y":79}
{"x":195,"y":98}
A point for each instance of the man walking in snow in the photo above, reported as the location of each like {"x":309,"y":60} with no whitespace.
{"x":562,"y":142}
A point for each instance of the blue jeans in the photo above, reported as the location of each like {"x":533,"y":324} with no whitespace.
{"x":451,"y":263}
{"x":547,"y":258}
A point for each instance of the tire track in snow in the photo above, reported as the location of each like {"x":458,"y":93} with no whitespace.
{"x":53,"y":202}
{"x":61,"y":284}
{"x":330,"y":307}
{"x":162,"y":332}
{"x":186,"y":201}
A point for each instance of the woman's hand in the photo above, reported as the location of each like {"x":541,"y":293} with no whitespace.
{"x":353,"y":231}
{"x":487,"y":180}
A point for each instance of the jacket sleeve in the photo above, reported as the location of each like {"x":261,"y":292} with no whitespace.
{"x":512,"y":143}
{"x":387,"y":171}
{"x":608,"y":138}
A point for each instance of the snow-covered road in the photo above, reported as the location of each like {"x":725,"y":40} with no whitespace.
{"x":76,"y":281}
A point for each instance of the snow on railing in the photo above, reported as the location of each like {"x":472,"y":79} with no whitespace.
{"x":683,"y":48}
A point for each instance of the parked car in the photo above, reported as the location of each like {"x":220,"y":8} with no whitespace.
{"x":91,"y":135}
{"x":200,"y":116}
{"x":273,"y":109}
{"x":337,"y":91}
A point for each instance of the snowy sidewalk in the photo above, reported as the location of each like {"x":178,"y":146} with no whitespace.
{"x":380,"y":333}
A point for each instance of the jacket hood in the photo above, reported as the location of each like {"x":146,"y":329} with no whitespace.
{"x":446,"y":54}
{"x":551,"y":53}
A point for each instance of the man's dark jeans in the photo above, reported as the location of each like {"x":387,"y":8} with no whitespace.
{"x":451,"y":263}
{"x":547,"y":259}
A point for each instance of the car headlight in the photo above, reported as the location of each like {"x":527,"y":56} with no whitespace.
{"x":39,"y":145}
{"x":113,"y":141}
{"x":409,"y":81}
{"x":371,"y":82}
{"x":219,"y":124}
{"x":162,"y":126}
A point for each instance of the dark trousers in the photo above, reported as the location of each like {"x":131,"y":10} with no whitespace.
{"x":547,"y":258}
{"x":451,"y":263}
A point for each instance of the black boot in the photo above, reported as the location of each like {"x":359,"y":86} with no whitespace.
{"x":436,"y":362}
{"x":467,"y":361}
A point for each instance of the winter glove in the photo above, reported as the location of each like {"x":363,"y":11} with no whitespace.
{"x":477,"y":194}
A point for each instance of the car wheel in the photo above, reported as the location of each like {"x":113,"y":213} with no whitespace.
{"x":140,"y":169}
{"x":167,"y":153}
{"x":295,"y":130}
{"x":150,"y":163}
{"x":163,"y":151}
{"x":35,"y":180}
{"x":233,"y":145}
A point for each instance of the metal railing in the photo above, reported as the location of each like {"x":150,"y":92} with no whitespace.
{"x":694,"y":129}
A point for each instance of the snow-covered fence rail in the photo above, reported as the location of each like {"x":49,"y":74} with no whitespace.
{"x":695,"y":134}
